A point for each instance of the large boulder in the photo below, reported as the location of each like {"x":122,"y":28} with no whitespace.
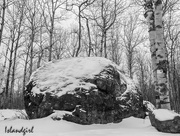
{"x":165,"y":120}
{"x":92,"y":89}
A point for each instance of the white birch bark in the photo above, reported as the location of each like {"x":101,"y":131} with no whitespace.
{"x":161,"y":58}
{"x":149,"y":15}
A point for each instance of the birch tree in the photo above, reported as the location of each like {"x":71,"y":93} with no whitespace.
{"x":131,"y":37}
{"x":149,"y":15}
{"x":153,"y":15}
{"x":162,"y":62}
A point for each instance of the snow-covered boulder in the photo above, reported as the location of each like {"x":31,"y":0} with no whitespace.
{"x":165,"y":120}
{"x":92,"y":89}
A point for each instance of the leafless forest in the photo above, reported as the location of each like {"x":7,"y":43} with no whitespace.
{"x":33,"y":32}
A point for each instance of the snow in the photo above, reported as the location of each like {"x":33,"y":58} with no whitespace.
{"x":149,"y":105}
{"x":163,"y":114}
{"x":49,"y":127}
{"x":58,"y":114}
{"x":131,"y":85}
{"x":12,"y":114}
{"x":71,"y":72}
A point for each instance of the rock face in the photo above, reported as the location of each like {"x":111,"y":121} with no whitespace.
{"x":165,"y":121}
{"x":92,"y":89}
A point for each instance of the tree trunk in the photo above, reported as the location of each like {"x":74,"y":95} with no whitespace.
{"x":2,"y":22}
{"x":40,"y":54}
{"x":105,"y":46}
{"x":32,"y":41}
{"x":25,"y":70}
{"x":130,"y":61}
{"x":51,"y":36}
{"x":102,"y":41}
{"x":50,"y":45}
{"x":31,"y":52}
{"x":89,"y":37}
{"x":3,"y":69}
{"x":161,"y":61}
{"x":149,"y":15}
{"x":10,"y":65}
{"x":15,"y":53}
{"x":79,"y":34}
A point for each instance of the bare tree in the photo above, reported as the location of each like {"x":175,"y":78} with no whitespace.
{"x":89,"y":37}
{"x":21,"y":7}
{"x":72,"y":42}
{"x":131,"y":37}
{"x":143,"y":71}
{"x":171,"y":37}
{"x":25,"y":68}
{"x":50,"y":16}
{"x":13,"y":30}
{"x":115,"y":44}
{"x":2,"y":78}
{"x":61,"y":37}
{"x":32,"y":26}
{"x":41,"y":42}
{"x":105,"y":14}
{"x":81,"y":6}
{"x":2,"y":19}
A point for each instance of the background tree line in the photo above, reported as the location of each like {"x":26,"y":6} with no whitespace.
{"x":33,"y":32}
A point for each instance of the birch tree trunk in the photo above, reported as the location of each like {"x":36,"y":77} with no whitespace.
{"x":149,"y":15}
{"x":161,"y":61}
{"x":153,"y":15}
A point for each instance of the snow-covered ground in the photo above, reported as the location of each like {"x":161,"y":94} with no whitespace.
{"x":48,"y":127}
